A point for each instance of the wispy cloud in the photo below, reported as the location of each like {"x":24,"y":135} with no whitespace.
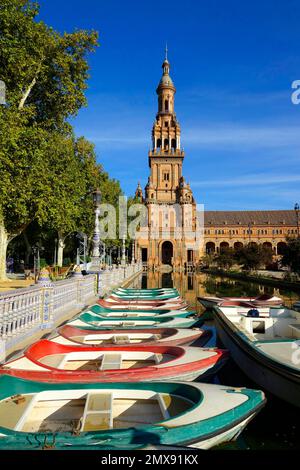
{"x":233,"y":98}
{"x":251,"y":180}
{"x":231,"y":135}
{"x":113,"y":140}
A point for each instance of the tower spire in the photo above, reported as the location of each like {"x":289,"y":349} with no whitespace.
{"x":166,"y":51}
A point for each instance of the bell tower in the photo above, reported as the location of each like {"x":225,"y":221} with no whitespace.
{"x":166,"y":156}
{"x":170,"y":235}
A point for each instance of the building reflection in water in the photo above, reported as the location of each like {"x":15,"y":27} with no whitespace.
{"x":194,"y":285}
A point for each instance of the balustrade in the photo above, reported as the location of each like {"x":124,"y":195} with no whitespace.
{"x":24,"y":312}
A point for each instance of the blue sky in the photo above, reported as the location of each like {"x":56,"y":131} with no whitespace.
{"x":232,"y":63}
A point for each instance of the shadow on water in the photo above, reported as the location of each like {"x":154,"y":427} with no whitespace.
{"x":277,"y":425}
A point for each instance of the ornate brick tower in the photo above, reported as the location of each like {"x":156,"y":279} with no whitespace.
{"x":170,"y":235}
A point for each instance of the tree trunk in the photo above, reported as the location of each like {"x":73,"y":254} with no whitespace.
{"x":3,"y":250}
{"x":28,"y":249}
{"x":60,"y":251}
{"x":29,"y":89}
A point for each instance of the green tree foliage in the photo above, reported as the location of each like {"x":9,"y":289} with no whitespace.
{"x":45,"y":72}
{"x":226,"y":258}
{"x":254,"y":256}
{"x":46,"y":174}
{"x":291,"y":256}
{"x":251,"y":256}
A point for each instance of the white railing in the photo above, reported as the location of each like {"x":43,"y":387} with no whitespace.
{"x":20,"y":310}
{"x":24,"y":312}
{"x":65,"y":296}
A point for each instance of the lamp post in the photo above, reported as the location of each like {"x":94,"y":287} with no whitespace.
{"x":55,"y":252}
{"x":133,"y":253}
{"x":36,"y":261}
{"x":123,"y":262}
{"x":96,"y":236}
{"x":297,"y":209}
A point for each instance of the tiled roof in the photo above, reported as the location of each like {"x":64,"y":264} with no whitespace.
{"x":280,"y":218}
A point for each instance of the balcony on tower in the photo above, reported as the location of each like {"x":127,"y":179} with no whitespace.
{"x":160,"y":152}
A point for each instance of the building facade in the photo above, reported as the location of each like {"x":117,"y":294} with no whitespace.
{"x":175,"y":234}
{"x":234,"y":229}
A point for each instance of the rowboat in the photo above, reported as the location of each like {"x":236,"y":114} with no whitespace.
{"x":122,"y":290}
{"x":108,"y":313}
{"x":68,"y":334}
{"x":113,"y":301}
{"x":47,"y":361}
{"x":261,"y":300}
{"x":264,"y":342}
{"x":114,"y":304}
{"x":94,"y":321}
{"x":121,"y":416}
{"x":147,"y":293}
{"x":148,"y":297}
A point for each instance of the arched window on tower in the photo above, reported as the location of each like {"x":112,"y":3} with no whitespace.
{"x":158,"y":144}
{"x":166,"y":105}
{"x":166,"y":144}
{"x":173,"y":144}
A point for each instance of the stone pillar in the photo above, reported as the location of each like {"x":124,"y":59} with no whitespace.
{"x":44,"y":281}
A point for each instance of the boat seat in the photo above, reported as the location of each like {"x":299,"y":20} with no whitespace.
{"x":157,"y":358}
{"x":97,"y":412}
{"x":127,"y":323}
{"x":258,"y":325}
{"x":295,"y":330}
{"x":111,"y":361}
{"x":121,"y":339}
{"x":156,"y":337}
{"x":163,"y":401}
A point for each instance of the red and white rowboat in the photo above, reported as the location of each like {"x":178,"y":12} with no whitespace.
{"x":117,"y":302}
{"x":46,"y":361}
{"x":68,"y":334}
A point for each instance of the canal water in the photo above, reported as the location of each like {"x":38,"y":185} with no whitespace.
{"x":277,"y":426}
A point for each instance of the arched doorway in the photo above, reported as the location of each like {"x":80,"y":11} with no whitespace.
{"x":238,"y":246}
{"x":166,"y":252}
{"x":281,"y":248}
{"x":252,"y":244}
{"x":224,"y":246}
{"x":267,"y":245}
{"x":210,"y":247}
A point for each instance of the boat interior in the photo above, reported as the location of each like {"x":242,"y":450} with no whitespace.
{"x":79,"y":411}
{"x":272,"y":322}
{"x":132,"y":338}
{"x":101,"y":360}
{"x":118,"y":314}
{"x":111,"y":323}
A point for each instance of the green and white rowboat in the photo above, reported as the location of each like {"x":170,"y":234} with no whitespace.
{"x":121,"y":416}
{"x":95,"y":321}
{"x":110,"y":313}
